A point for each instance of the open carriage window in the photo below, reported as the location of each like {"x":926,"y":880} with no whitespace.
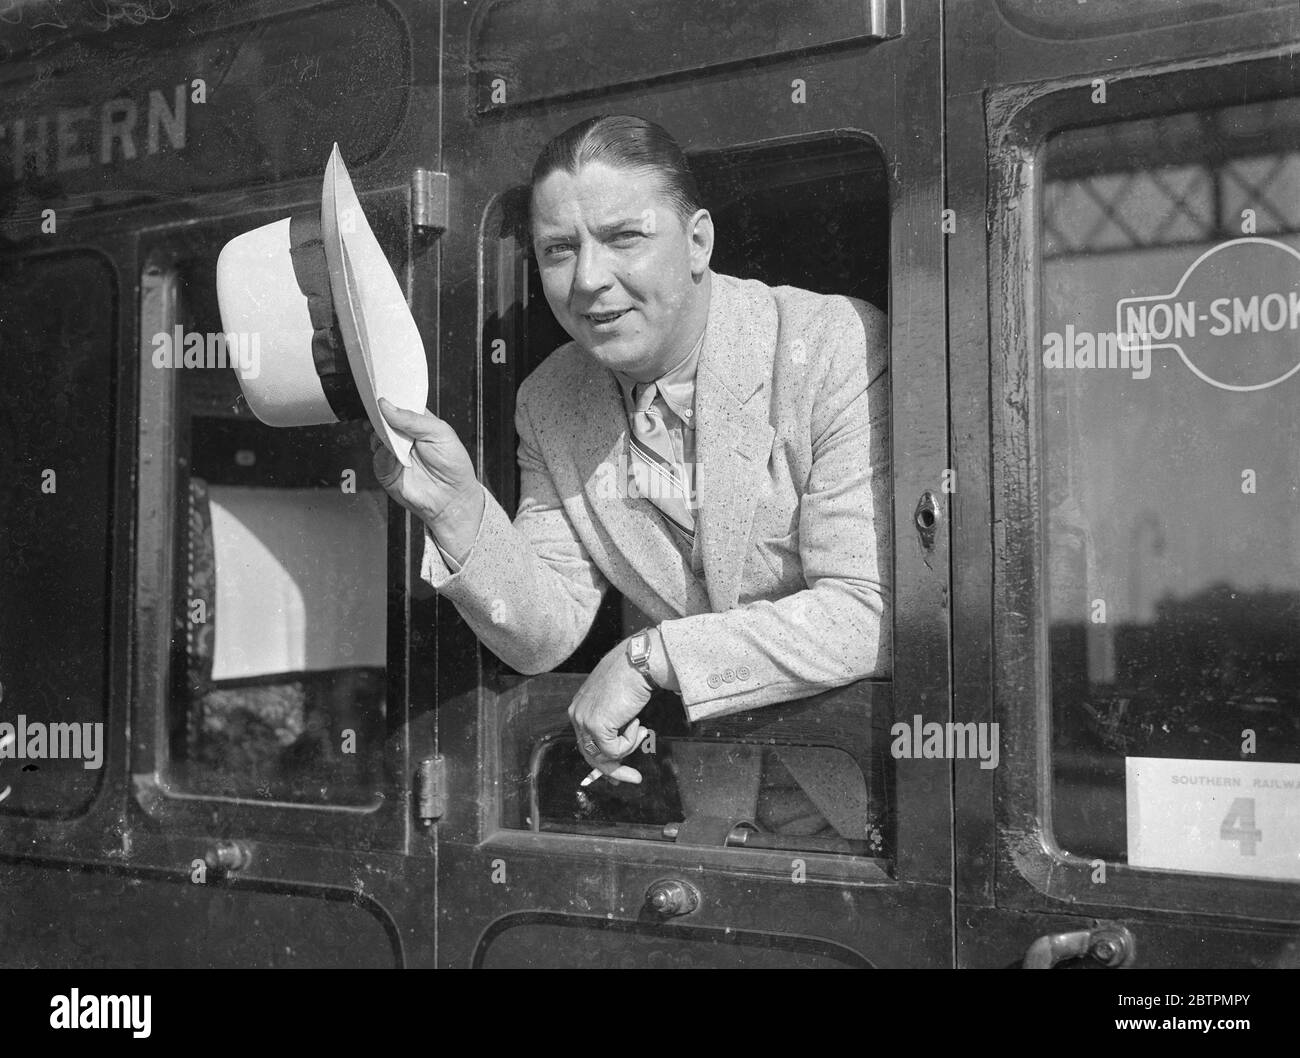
{"x":278,"y":685}
{"x":1169,"y":360}
{"x":813,"y":775}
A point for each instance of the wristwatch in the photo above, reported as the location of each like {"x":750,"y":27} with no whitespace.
{"x":638,"y":654}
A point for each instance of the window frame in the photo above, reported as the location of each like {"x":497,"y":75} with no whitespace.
{"x":496,"y":396}
{"x":382,"y":825}
{"x":1033,"y":872}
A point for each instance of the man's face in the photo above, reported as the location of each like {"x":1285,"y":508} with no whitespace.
{"x":620,"y":269}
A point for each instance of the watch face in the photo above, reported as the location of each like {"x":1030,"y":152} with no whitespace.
{"x":638,"y":647}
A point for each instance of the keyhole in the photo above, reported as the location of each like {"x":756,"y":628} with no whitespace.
{"x":926,"y":519}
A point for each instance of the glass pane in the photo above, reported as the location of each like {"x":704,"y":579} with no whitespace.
{"x":279,"y":657}
{"x":810,"y":776}
{"x":1171,"y":487}
{"x":58,"y":353}
{"x":807,"y":798}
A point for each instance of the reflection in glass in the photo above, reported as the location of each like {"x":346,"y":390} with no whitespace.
{"x":713,"y":792}
{"x":279,"y":652}
{"x":1171,"y":482}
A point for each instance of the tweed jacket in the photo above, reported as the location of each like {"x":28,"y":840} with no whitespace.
{"x":794,"y":514}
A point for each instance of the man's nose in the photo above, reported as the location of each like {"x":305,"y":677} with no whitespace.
{"x":593,"y":273}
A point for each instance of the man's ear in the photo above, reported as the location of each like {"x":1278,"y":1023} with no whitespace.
{"x":699,"y":229}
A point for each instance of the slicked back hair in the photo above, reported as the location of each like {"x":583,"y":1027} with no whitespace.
{"x":622,"y":141}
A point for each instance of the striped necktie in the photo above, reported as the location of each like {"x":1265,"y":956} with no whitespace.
{"x":658,"y":473}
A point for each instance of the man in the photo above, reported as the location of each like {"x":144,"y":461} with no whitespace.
{"x":713,"y":447}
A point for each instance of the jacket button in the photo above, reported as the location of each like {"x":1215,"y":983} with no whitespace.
{"x":713,"y":680}
{"x":729,"y":675}
{"x":742,"y":673}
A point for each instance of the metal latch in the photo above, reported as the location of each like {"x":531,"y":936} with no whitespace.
{"x":431,"y":789}
{"x":430,"y":200}
{"x":710,"y":831}
{"x":885,"y":18}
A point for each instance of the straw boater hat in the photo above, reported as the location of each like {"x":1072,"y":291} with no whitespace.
{"x":333,"y":326}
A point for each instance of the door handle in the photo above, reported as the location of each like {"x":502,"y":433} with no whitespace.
{"x":1111,"y":945}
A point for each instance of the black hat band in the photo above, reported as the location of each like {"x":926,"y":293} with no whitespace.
{"x":311,"y":269}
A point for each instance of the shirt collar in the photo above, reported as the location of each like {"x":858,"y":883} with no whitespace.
{"x":676,"y":386}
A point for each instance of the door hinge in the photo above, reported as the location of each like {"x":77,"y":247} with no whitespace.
{"x":430,"y":207}
{"x":431,"y":789}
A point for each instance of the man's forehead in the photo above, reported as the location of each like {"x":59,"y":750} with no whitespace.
{"x":596,"y":196}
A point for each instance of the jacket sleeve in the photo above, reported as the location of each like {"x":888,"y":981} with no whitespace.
{"x":528,"y":589}
{"x":837,"y":629}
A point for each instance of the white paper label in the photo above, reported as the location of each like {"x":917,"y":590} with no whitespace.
{"x":1214,"y":816}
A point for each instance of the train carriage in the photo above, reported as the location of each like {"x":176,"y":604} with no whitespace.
{"x":1083,"y":221}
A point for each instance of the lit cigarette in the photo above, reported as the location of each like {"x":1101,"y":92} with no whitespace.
{"x":596,"y":773}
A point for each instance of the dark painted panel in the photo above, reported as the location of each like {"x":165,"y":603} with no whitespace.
{"x":56,"y":447}
{"x":536,"y":49}
{"x":28,"y":26}
{"x":558,"y":942}
{"x":603,"y":883}
{"x":999,"y":939}
{"x":1070,"y":19}
{"x":278,"y":94}
{"x":986,"y":48}
{"x":52,"y":917}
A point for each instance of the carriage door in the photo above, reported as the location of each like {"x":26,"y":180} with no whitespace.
{"x":1133,"y":311}
{"x":815,"y":133}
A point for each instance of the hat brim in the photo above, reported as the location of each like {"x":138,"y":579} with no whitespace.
{"x":383,"y":343}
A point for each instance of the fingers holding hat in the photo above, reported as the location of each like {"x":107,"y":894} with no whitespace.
{"x":388,"y":470}
{"x":418,"y":425}
{"x":442,"y":476}
{"x":438,"y":446}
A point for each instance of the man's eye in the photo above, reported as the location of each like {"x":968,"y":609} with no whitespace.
{"x":556,"y":249}
{"x":627,"y":238}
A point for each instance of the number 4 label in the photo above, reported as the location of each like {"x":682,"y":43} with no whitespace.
{"x":1239,"y":825}
{"x":1214,"y":816}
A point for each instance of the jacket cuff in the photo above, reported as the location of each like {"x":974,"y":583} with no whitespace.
{"x":438,"y":568}
{"x":707,"y":681}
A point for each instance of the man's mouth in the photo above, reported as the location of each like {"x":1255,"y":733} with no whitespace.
{"x":605,"y":317}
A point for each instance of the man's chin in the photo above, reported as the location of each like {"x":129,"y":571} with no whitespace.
{"x":615,"y":355}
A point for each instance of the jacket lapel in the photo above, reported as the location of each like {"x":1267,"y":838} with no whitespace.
{"x":733,"y":436}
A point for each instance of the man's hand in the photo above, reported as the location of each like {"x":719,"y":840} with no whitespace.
{"x":440,"y":486}
{"x":611,"y":697}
